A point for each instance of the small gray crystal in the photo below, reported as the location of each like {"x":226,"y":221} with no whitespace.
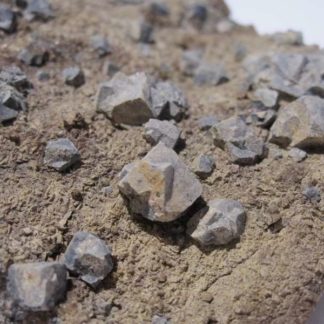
{"x":101,"y":45}
{"x":233,"y":130}
{"x":37,"y":286}
{"x":7,"y":114}
{"x":160,"y":187}
{"x":14,"y":76}
{"x":223,"y":222}
{"x":203,"y":165}
{"x":292,"y":75}
{"x":11,"y":98}
{"x":300,"y":124}
{"x":297,"y":154}
{"x":61,"y":154}
{"x":158,"y":319}
{"x":190,"y":61}
{"x":261,"y":116}
{"x":243,"y":156}
{"x":8,"y":19}
{"x":89,"y":257}
{"x":168,"y":101}
{"x":43,"y":76}
{"x":244,"y":147}
{"x":110,"y":68}
{"x":142,"y":32}
{"x":126,"y":99}
{"x":207,"y":122}
{"x":161,"y":131}
{"x":210,"y":74}
{"x":35,"y":54}
{"x":74,"y":76}
{"x":39,"y":10}
{"x":268,"y":97}
{"x":313,"y":194}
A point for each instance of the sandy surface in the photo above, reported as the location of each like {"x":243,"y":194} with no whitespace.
{"x":273,"y":275}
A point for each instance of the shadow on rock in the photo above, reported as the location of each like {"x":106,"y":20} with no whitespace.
{"x":171,"y":233}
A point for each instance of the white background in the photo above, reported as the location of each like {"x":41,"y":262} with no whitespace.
{"x":269,"y":16}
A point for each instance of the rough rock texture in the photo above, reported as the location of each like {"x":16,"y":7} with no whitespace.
{"x":89,"y":257}
{"x":43,"y":76}
{"x":35,"y":54}
{"x":206,"y":122}
{"x":111,"y":68}
{"x":37,"y":286}
{"x":297,"y":154}
{"x":300,"y":124}
{"x":268,"y":97}
{"x":11,"y":98}
{"x":142,"y":32}
{"x":101,"y":45}
{"x":248,"y":155}
{"x":168,"y":101}
{"x":126,"y":99}
{"x":157,"y":319}
{"x":313,"y":194}
{"x":8,"y":19}
{"x":74,"y":76}
{"x":233,"y":130}
{"x":261,"y":116}
{"x":317,"y":314}
{"x":190,"y":61}
{"x":160,"y":187}
{"x":203,"y":165}
{"x":223,"y":223}
{"x":291,"y":74}
{"x":7,"y":114}
{"x":239,"y":140}
{"x":210,"y":74}
{"x":61,"y":154}
{"x":161,"y":131}
{"x":39,"y":10}
{"x":14,"y":76}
